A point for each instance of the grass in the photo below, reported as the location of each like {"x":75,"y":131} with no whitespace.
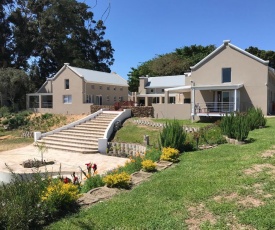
{"x":133,"y":133}
{"x":13,"y":140}
{"x":167,"y":200}
{"x":183,"y":122}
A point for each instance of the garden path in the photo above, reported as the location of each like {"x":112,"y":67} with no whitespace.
{"x":68,"y":161}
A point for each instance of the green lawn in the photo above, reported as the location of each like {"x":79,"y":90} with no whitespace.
{"x":227,"y":187}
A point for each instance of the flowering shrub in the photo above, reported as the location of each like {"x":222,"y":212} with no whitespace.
{"x":170,"y":154}
{"x":60,"y":195}
{"x":118,"y":180}
{"x":148,"y":165}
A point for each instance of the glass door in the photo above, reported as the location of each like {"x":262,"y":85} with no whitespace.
{"x":98,"y":99}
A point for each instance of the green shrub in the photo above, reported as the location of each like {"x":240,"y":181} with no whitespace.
{"x":256,"y":118}
{"x":92,"y":182}
{"x":46,"y":116}
{"x":152,"y":154}
{"x":172,"y":135}
{"x":170,"y":154}
{"x":226,"y":125}
{"x":118,"y":180}
{"x":4,"y":111}
{"x":236,"y":126}
{"x":131,"y":166}
{"x":211,"y":134}
{"x":20,"y":201}
{"x":241,"y":126}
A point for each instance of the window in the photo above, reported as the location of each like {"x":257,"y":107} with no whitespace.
{"x":100,"y":87}
{"x":67,"y":99}
{"x":172,"y":100}
{"x":162,"y":90}
{"x":92,"y":86}
{"x":67,"y":84}
{"x":108,"y":98}
{"x":114,"y":98}
{"x":121,"y":89}
{"x":226,"y":75}
{"x":114,"y":88}
{"x":120,"y":99}
{"x":89,"y":98}
{"x":108,"y":87}
{"x":152,"y":90}
{"x":187,"y":101}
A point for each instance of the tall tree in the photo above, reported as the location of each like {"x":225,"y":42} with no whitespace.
{"x":174,"y":63}
{"x":267,"y":55}
{"x":14,"y":85}
{"x":5,"y":33}
{"x":51,"y":33}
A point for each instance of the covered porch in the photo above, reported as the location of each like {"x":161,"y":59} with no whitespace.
{"x":215,"y":100}
{"x":39,"y":101}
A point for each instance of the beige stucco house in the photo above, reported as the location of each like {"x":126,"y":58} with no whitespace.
{"x":227,"y":80}
{"x":73,"y":90}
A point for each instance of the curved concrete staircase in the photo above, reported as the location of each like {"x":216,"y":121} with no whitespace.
{"x":81,"y":138}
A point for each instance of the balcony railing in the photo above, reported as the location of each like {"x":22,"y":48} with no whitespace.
{"x":47,"y":105}
{"x":214,"y":107}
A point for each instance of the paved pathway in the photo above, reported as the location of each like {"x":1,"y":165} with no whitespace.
{"x":69,"y":161}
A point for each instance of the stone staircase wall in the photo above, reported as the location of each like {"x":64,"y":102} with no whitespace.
{"x":125,"y":149}
{"x":161,"y":125}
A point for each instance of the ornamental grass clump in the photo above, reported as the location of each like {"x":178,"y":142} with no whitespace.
{"x":148,"y":166}
{"x":172,"y":135}
{"x":256,"y":118}
{"x":170,"y":154}
{"x":118,"y":180}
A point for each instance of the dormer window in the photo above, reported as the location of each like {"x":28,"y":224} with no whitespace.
{"x":226,"y":75}
{"x":67,"y":84}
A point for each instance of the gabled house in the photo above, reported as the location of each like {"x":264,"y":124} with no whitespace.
{"x":73,"y":90}
{"x":151,"y":89}
{"x":228,"y":80}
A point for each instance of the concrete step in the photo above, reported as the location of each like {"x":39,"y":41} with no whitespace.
{"x":93,"y":126}
{"x":82,"y":138}
{"x":83,"y":132}
{"x":72,"y":138}
{"x":69,"y":139}
{"x":69,"y":149}
{"x":63,"y":145}
{"x":87,"y":128}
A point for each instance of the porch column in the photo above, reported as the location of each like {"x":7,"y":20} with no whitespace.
{"x":166,"y":97}
{"x":40,"y":101}
{"x":235,"y":100}
{"x":135,"y":97}
{"x":160,"y":100}
{"x":146,"y":101}
{"x":193,"y":100}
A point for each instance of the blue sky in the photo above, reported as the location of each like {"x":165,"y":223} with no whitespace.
{"x":141,"y":29}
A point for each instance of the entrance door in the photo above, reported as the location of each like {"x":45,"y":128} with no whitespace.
{"x":225,"y":101}
{"x":98,"y":100}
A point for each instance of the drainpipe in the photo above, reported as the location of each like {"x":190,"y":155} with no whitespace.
{"x":193,"y":101}
{"x":235,"y":100}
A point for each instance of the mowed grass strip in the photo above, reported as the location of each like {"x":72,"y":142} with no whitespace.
{"x":207,"y":189}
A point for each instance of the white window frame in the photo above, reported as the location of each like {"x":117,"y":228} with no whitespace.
{"x":67,"y":99}
{"x":67,"y":84}
{"x":223,"y":76}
